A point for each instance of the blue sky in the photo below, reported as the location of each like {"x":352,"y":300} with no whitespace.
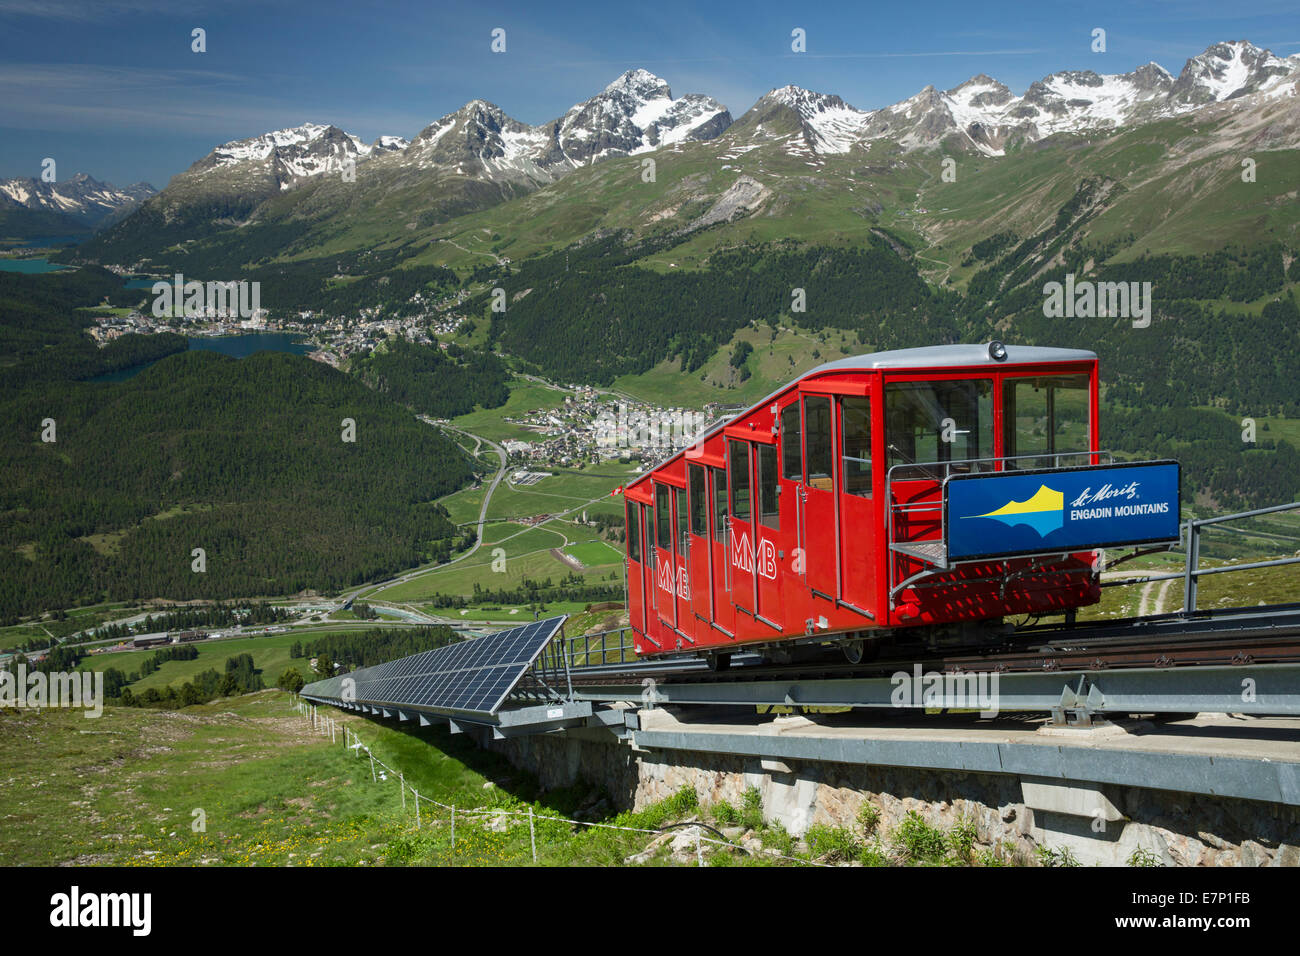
{"x":112,"y":88}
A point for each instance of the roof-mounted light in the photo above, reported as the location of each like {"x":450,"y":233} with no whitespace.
{"x":997,"y":352}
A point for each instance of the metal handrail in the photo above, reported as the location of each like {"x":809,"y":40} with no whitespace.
{"x":1191,"y":565}
{"x":581,"y":657}
{"x":1056,"y":455}
{"x":893,"y":507}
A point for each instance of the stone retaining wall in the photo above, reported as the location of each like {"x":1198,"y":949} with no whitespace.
{"x":1178,"y":829}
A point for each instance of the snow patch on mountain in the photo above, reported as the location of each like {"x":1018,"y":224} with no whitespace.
{"x":82,"y":197}
{"x":987,"y":116}
{"x":830,"y":124}
{"x":297,"y":153}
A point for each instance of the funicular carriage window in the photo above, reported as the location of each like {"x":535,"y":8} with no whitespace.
{"x":663,"y":519}
{"x":738,"y":452}
{"x":855,"y":427}
{"x":719,"y":503}
{"x":769,"y":511}
{"x":819,"y":454}
{"x":940,"y":426}
{"x":791,"y":443}
{"x":699,"y":501}
{"x":634,"y":531}
{"x":683,"y":543}
{"x":1045,"y":415}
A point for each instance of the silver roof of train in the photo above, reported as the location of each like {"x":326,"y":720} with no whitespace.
{"x":928,"y":356}
{"x":944,"y":356}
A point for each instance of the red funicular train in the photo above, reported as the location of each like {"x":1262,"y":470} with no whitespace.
{"x":837,"y":510}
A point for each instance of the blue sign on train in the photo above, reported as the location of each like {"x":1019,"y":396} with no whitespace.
{"x":1064,"y":509}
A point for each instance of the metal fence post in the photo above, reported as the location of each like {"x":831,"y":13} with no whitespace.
{"x":1189,"y":570}
{"x":373,"y":778}
{"x":417,"y":807}
{"x":453,"y":828}
{"x":532,"y":833}
{"x":401,"y":779}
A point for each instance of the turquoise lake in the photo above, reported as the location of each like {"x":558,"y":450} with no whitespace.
{"x":33,"y":266}
{"x":236,"y":346}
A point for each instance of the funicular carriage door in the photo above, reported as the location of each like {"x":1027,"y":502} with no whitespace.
{"x":665,"y":581}
{"x":699,"y":555}
{"x":724,"y":615}
{"x":681,"y":565}
{"x":770,"y":546}
{"x":818,"y":524}
{"x":795,"y":599}
{"x":635,"y":561}
{"x":647,"y":565}
{"x":740,"y":551}
{"x":858,"y":515}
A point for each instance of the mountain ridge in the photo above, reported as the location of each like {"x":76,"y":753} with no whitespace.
{"x":79,"y":202}
{"x":479,"y":157}
{"x":1068,"y":100}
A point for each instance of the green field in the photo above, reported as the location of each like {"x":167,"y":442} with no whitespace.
{"x":270,"y":656}
{"x":595,"y":553}
{"x":463,"y":506}
{"x":501,"y":613}
{"x":565,"y":490}
{"x":527,"y":553}
{"x":77,"y":619}
{"x":17,"y":635}
{"x":525,"y":396}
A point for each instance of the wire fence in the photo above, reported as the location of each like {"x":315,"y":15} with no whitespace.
{"x":328,"y":726}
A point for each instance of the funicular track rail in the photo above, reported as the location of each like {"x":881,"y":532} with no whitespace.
{"x":1260,"y":635}
{"x":1166,"y":664}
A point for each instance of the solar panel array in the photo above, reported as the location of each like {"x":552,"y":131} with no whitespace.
{"x":473,"y":676}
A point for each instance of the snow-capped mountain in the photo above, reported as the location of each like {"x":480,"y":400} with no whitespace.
{"x":479,"y":156}
{"x":634,"y":114}
{"x":292,"y":155}
{"x":1228,"y":71}
{"x":479,"y":139}
{"x":474,"y":157}
{"x":637,"y":113}
{"x":83,"y":198}
{"x":827,"y":123}
{"x":985,"y":115}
